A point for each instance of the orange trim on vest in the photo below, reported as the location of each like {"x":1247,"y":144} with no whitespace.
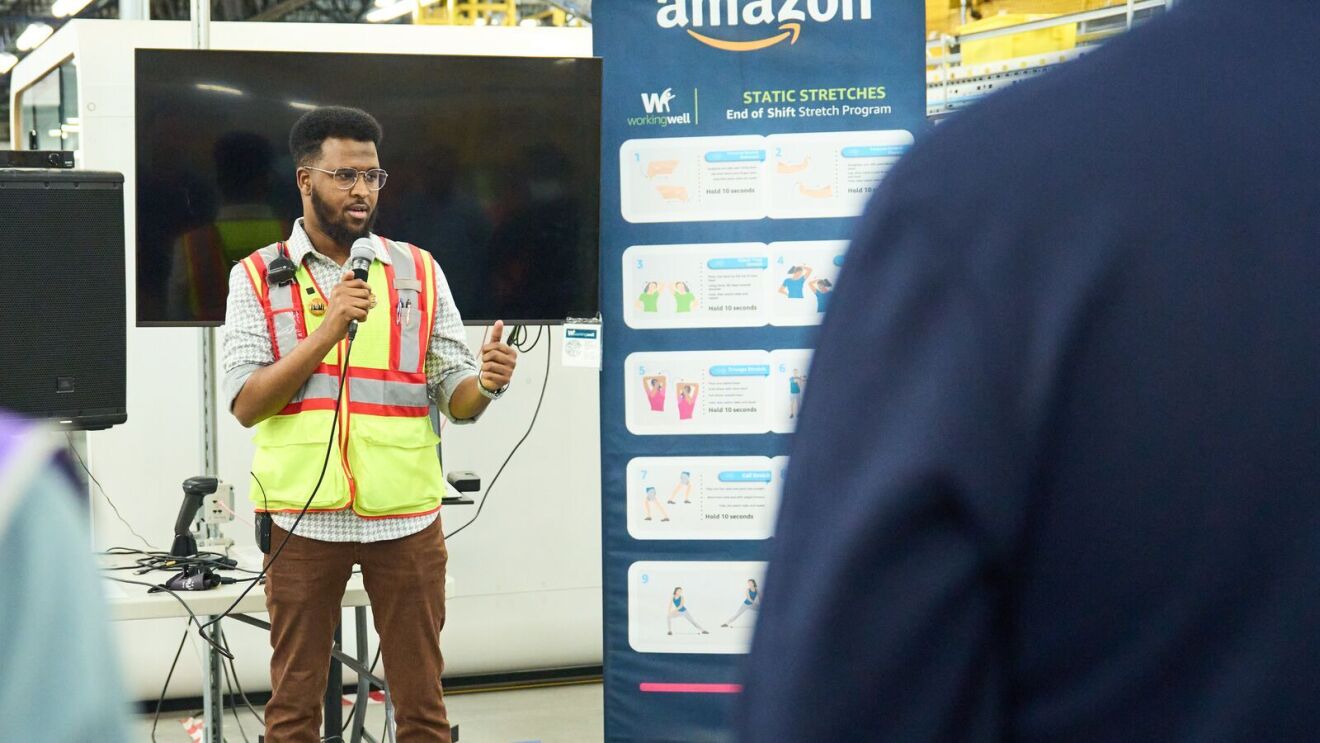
{"x":398,"y":515}
{"x":355,"y":513}
{"x":299,"y":510}
{"x":385,"y":375}
{"x":345,"y":421}
{"x":256,"y":273}
{"x":361,"y":408}
{"x":388,"y":411}
{"x":314,"y":404}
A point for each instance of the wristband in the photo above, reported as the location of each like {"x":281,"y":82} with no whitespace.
{"x":490,"y":394}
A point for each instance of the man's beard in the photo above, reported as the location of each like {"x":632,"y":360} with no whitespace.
{"x":335,"y":226}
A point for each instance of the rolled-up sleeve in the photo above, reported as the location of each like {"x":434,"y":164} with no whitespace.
{"x":449,"y":361}
{"x":246,"y":337}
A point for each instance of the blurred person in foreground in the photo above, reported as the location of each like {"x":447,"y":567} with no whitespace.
{"x":59,"y":678}
{"x":1058,"y":474}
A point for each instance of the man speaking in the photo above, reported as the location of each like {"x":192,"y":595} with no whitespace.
{"x":298,"y":322}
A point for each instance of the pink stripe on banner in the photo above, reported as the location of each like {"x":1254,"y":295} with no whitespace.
{"x":652,"y":686}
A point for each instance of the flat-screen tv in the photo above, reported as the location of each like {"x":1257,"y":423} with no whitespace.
{"x":493,"y":162}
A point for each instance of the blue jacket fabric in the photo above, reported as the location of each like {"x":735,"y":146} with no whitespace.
{"x":1057,"y":477}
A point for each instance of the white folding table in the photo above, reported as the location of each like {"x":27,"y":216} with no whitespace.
{"x":134,"y":602}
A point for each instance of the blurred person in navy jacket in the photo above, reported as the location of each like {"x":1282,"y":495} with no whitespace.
{"x":1057,"y":477}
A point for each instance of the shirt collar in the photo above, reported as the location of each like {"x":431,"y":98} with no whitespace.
{"x":300,"y":246}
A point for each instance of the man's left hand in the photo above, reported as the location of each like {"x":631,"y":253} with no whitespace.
{"x":497,"y":360}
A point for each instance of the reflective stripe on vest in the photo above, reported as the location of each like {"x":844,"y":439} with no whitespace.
{"x":319,"y":393}
{"x":368,"y":391}
{"x":409,"y":397}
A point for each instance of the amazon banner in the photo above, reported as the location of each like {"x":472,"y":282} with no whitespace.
{"x":741,"y":141}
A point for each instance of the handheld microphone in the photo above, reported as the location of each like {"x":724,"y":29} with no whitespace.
{"x":360,"y":257}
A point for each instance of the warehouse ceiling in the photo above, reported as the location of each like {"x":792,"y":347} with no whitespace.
{"x":943,"y":17}
{"x":18,"y":15}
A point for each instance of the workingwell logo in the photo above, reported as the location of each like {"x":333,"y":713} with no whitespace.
{"x":752,"y":25}
{"x":659,"y":110}
{"x":658,"y":103}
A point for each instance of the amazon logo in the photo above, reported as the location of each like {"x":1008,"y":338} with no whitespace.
{"x":715,"y":22}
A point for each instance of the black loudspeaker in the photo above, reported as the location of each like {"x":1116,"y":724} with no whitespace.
{"x":63,"y":322}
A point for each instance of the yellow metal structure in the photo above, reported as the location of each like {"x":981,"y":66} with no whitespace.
{"x":945,"y":16}
{"x":468,"y":13}
{"x":491,"y":13}
{"x":553,"y":17}
{"x":1025,"y":44}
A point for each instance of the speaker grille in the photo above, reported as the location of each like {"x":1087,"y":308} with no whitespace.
{"x":63,"y":320}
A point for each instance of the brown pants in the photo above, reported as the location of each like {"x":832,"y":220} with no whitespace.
{"x":405,"y":579}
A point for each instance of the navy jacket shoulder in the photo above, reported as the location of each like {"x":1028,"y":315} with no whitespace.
{"x":1057,"y":476}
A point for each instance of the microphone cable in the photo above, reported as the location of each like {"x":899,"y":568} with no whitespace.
{"x":325,"y":463}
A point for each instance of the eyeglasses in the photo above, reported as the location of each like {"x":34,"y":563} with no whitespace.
{"x":347,"y":178}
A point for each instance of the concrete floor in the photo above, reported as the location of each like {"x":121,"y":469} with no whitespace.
{"x":564,"y":714}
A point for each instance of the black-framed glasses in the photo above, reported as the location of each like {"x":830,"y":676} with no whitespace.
{"x":347,"y":178}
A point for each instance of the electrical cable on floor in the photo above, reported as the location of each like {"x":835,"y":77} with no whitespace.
{"x":161,"y":699}
{"x":242,"y":694}
{"x":224,"y":671}
{"x":482,"y":503}
{"x":85,"y":468}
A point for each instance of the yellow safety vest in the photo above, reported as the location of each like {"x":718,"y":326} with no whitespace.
{"x":383,"y":461}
